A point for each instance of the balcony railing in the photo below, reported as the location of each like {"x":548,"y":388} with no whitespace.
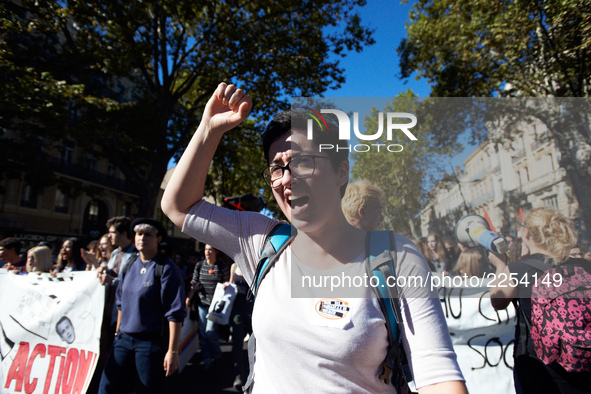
{"x":518,"y":156}
{"x":84,"y":174}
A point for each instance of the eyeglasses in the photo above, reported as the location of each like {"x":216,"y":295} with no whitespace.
{"x":300,"y":167}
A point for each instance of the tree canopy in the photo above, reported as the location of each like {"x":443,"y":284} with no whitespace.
{"x":512,"y":48}
{"x":130,"y":78}
{"x":484,"y":48}
{"x":404,"y":175}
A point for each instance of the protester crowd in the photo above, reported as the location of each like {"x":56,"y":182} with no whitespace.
{"x":149,"y":291}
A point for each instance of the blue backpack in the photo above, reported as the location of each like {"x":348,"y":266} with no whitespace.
{"x":380,"y":262}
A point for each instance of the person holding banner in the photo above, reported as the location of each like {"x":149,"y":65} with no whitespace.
{"x":10,"y":258}
{"x":70,"y":257}
{"x":549,"y":236}
{"x":298,"y":349}
{"x":150,"y":306}
{"x":39,"y":259}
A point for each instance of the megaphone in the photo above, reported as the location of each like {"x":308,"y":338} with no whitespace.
{"x":473,"y":230}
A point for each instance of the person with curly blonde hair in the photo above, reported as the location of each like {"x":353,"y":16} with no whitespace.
{"x":549,"y":236}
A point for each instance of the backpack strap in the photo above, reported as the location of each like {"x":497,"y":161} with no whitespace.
{"x":524,"y":321}
{"x":158,"y":269}
{"x":279,"y":238}
{"x":537,"y":264}
{"x":380,"y":263}
{"x":160,"y":260}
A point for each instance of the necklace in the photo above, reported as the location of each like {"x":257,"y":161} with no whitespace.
{"x":143,"y":270}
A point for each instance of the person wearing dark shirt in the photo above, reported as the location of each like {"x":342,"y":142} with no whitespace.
{"x":9,"y":254}
{"x":436,"y":254}
{"x":70,"y":258}
{"x":149,"y":320}
{"x":206,"y":276}
{"x":549,"y":236}
{"x":240,"y":321}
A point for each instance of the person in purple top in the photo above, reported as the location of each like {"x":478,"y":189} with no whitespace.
{"x":150,"y":306}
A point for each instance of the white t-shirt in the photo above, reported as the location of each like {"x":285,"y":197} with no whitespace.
{"x":321,"y":344}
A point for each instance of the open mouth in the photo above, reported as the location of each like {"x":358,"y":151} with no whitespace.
{"x":295,"y":200}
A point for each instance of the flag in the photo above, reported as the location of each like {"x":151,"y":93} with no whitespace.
{"x":487,"y":218}
{"x":520,"y":220}
{"x":245,"y":202}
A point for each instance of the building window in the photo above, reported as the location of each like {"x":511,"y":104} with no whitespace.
{"x":29,"y":197}
{"x":91,"y":161}
{"x":551,"y":202}
{"x":62,"y":201}
{"x":67,"y":153}
{"x":93,"y":210}
{"x":127,"y":209}
{"x":549,"y":163}
{"x":112,"y":170}
{"x":523,"y":176}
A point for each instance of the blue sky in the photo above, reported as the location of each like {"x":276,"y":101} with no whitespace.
{"x":372,"y":72}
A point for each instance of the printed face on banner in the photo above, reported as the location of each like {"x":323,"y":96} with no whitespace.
{"x":65,"y":329}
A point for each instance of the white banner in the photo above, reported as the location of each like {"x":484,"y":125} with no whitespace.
{"x":50,"y":332}
{"x":482,"y":338}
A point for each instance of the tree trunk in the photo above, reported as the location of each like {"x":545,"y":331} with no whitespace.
{"x":581,"y":184}
{"x":149,"y":187}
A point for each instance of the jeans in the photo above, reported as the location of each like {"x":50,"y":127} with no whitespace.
{"x":208,"y":337}
{"x":131,"y":357}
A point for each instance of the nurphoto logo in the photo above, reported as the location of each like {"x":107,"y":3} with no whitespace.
{"x":344,"y":123}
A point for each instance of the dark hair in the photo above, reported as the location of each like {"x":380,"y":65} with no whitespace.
{"x":12,"y":243}
{"x":121,"y":224}
{"x":77,"y":244}
{"x":297,"y":121}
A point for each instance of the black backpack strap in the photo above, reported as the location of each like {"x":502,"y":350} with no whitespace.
{"x":537,"y":264}
{"x":197,"y":272}
{"x":525,"y":320}
{"x":160,"y":261}
{"x":159,"y":268}
{"x":381,"y":264}
{"x":279,"y":238}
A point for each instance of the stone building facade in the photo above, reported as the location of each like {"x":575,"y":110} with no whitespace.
{"x":500,"y":178}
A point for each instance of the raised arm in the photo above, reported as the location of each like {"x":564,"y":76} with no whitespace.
{"x":503,"y":290}
{"x":226,"y":108}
